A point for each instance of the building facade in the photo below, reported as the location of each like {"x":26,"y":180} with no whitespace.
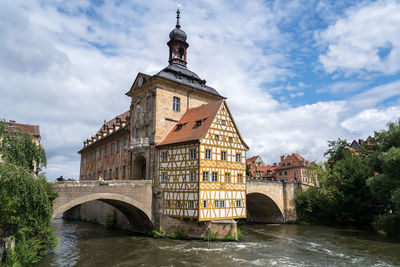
{"x":159,"y":106}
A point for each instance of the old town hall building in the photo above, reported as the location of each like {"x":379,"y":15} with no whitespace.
{"x":179,"y":133}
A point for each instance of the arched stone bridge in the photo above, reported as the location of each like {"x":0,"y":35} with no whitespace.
{"x":132,"y":198}
{"x":267,"y":201}
{"x":271,"y":201}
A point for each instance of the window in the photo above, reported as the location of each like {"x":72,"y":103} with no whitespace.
{"x":191,"y":204}
{"x":222,"y":203}
{"x":205,"y":204}
{"x":199,"y":122}
{"x":118,"y":145}
{"x":240,"y":178}
{"x":105,"y":174}
{"x":217,"y":137}
{"x":238,"y":203}
{"x":123,"y":171}
{"x":95,"y":154}
{"x":205,"y":176}
{"x":168,"y":204}
{"x":280,"y":173}
{"x":216,"y":203}
{"x":117,"y":173}
{"x":215,"y":176}
{"x":208,"y":154}
{"x":163,"y":178}
{"x":223,"y":155}
{"x":100,"y":151}
{"x":148,"y":103}
{"x":230,"y":139}
{"x":163,"y":156}
{"x":179,"y":126}
{"x":110,"y":175}
{"x":285,"y":172}
{"x":192,"y":176}
{"x":223,"y":122}
{"x":227,"y":177}
{"x":178,"y":204}
{"x":98,"y":174}
{"x":238,"y":157}
{"x":111,"y":148}
{"x":90,"y":177}
{"x":125,"y":143}
{"x":137,"y":132}
{"x":181,"y":52}
{"x":192,"y":153}
{"x":147,"y":130}
{"x":176,"y":104}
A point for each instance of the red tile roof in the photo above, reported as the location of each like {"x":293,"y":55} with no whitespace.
{"x":190,"y":131}
{"x":250,"y":161}
{"x":26,"y":128}
{"x":295,"y":160}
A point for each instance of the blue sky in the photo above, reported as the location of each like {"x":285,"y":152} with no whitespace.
{"x":296,"y":73}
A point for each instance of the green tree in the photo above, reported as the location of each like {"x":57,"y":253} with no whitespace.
{"x":337,"y":150}
{"x":25,"y":200}
{"x":385,"y":184}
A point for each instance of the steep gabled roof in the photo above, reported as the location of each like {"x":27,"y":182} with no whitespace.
{"x":112,"y":121}
{"x":187,"y":129}
{"x":25,"y":128}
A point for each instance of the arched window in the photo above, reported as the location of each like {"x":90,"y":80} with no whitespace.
{"x":181,"y":52}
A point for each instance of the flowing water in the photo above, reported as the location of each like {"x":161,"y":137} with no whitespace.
{"x":84,"y":244}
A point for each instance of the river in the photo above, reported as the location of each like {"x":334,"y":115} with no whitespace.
{"x":84,"y":244}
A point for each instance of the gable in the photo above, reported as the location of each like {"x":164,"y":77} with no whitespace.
{"x":140,"y":79}
{"x":225,"y":127}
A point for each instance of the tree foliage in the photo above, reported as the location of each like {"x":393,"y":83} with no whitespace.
{"x":360,"y":189}
{"x":25,"y":200}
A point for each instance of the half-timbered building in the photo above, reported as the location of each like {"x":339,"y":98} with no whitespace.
{"x":203,"y":166}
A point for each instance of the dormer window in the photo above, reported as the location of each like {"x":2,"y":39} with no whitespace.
{"x":223,"y":122}
{"x":179,"y":126}
{"x":199,"y":122}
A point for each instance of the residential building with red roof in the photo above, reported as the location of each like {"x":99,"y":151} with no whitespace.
{"x":292,"y":168}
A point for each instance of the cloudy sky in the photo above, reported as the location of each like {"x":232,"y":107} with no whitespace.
{"x":296,"y":73}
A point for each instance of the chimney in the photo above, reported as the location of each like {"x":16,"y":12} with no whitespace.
{"x":282,"y":158}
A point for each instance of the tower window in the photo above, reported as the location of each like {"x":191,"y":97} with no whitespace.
{"x":181,"y":53}
{"x":176,"y":104}
{"x":148,"y":105}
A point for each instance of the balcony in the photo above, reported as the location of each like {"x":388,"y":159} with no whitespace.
{"x":139,"y":145}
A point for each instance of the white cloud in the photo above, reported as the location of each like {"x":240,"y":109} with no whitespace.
{"x":371,"y":119}
{"x":354,"y":43}
{"x":64,"y":82}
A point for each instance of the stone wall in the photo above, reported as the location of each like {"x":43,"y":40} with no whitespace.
{"x":97,"y":211}
{"x":196,"y":229}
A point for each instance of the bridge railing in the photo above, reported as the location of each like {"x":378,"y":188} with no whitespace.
{"x":99,"y":183}
{"x":269,"y":180}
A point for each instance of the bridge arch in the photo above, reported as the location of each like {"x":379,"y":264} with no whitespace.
{"x":263,"y":209}
{"x":137,"y":214}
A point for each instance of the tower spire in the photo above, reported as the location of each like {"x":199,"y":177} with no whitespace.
{"x":178,"y":26}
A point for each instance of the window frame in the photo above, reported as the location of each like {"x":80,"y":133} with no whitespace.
{"x":206,"y":176}
{"x":223,"y":155}
{"x":164,"y":156}
{"x":238,"y":157}
{"x":176,"y":104}
{"x":193,"y":153}
{"x":207,"y":154}
{"x":214,"y":177}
